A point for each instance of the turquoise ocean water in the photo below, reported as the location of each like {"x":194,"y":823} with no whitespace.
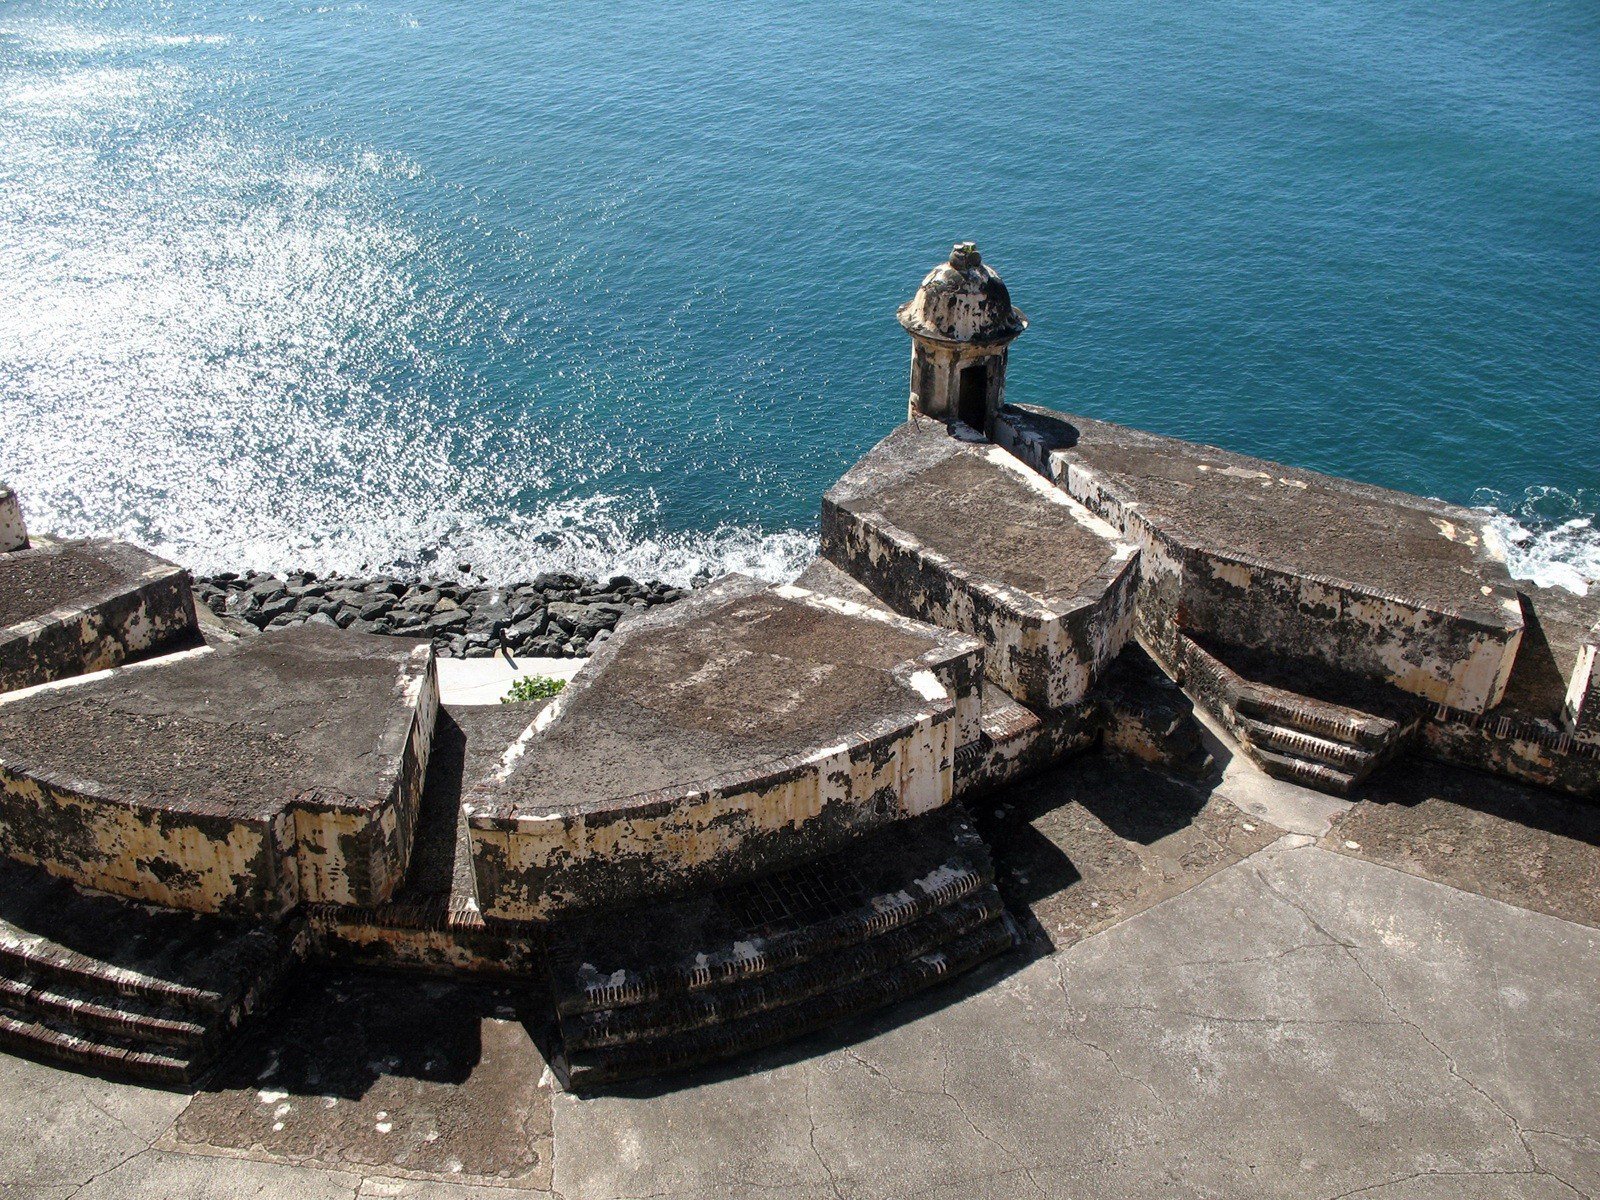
{"x":611,"y":286}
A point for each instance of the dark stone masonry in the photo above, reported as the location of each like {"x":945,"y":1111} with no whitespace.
{"x":1046,"y":672}
{"x":550,"y":616}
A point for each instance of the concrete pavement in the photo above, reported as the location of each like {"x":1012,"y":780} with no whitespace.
{"x":1256,"y":1013}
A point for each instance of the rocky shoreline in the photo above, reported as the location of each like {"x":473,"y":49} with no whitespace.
{"x":550,"y":616}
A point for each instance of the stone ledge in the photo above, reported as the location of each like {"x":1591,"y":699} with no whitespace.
{"x":962,"y":536}
{"x":69,"y":608}
{"x":1354,"y":579}
{"x":783,"y":723}
{"x":237,"y":781}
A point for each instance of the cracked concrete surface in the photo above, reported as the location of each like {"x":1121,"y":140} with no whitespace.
{"x":1300,"y":1023}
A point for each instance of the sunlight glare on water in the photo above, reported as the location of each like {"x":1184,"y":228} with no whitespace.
{"x":610,"y":288}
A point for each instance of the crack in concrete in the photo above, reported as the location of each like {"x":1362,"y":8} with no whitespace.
{"x":1014,"y":1153}
{"x":811,"y":1121}
{"x":1067,"y":1028}
{"x":1384,"y":1183}
{"x":1351,"y":952}
{"x":118,"y":1165}
{"x":1260,"y":958}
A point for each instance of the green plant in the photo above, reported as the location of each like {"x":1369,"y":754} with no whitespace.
{"x":532,"y":687}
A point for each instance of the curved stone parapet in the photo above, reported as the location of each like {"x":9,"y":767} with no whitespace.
{"x":238,"y":781}
{"x":734,"y":732}
{"x":1345,"y":579}
{"x":71,"y":607}
{"x":962,"y":535}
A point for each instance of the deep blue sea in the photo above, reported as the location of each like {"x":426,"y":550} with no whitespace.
{"x":611,"y":285}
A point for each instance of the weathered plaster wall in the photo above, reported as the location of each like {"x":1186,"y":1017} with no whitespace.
{"x":357,"y":852}
{"x":539,"y":866}
{"x":205,"y":861}
{"x":153,"y":609}
{"x":1517,"y":747}
{"x":1305,"y":616}
{"x":1044,"y":653}
{"x":936,"y":378}
{"x":212,"y":856}
{"x":13,"y":531}
{"x":1581,"y":712}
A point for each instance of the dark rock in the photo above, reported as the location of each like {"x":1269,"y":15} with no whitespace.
{"x":491,"y":618}
{"x":266,"y":610}
{"x":448,"y":619}
{"x":421,"y":598}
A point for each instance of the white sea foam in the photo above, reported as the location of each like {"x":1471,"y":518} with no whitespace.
{"x":1550,"y":537}
{"x":225,"y":344}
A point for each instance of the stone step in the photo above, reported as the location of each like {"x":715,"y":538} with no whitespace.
{"x":663,"y":988}
{"x":1316,"y":718}
{"x":1304,"y":739}
{"x":1305,"y":772}
{"x":74,"y":607}
{"x":94,"y":980}
{"x":58,"y":935}
{"x":886,"y":881}
{"x":76,"y":1046}
{"x":966,"y":537}
{"x":124,"y":1017}
{"x":1294,"y":743}
{"x":592,"y":1068}
{"x":681,"y":1013}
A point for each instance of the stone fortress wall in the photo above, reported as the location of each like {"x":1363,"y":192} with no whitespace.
{"x":749,"y":816}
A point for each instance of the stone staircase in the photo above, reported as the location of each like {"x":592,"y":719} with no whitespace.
{"x":112,"y":985}
{"x":660,"y":989}
{"x":1319,"y":744}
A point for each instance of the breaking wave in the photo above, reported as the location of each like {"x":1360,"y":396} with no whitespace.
{"x":242,"y":351}
{"x":1550,"y":536}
